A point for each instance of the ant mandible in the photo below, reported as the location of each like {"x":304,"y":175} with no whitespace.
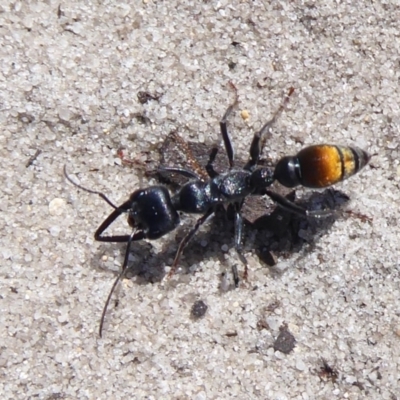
{"x":153,"y":212}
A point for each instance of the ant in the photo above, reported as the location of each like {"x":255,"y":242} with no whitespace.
{"x":153,"y":211}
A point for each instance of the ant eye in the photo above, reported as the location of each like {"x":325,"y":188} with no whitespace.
{"x":131,"y":221}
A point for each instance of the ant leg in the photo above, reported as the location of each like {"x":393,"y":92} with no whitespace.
{"x":289,"y":206}
{"x":187,"y":239}
{"x":235,"y":276}
{"x":181,"y":171}
{"x":259,"y":138}
{"x":131,"y":238}
{"x":224,"y":129}
{"x":209,"y":167}
{"x":238,"y":239}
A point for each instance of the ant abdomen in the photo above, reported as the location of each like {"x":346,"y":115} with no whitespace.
{"x":320,"y":166}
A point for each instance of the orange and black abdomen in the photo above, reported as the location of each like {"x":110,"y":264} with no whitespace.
{"x":320,"y":166}
{"x":324,"y":165}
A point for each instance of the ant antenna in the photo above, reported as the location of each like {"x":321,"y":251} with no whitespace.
{"x":102,"y":195}
{"x":103,"y":314}
{"x":119,"y":277}
{"x":129,"y":241}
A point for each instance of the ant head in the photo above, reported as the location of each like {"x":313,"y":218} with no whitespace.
{"x":261,"y":178}
{"x":287,"y":171}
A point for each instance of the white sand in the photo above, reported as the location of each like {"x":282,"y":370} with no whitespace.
{"x":69,"y":80}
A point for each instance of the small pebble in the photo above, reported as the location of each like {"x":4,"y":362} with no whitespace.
{"x":57,"y":206}
{"x":199,"y":309}
{"x":245,"y":115}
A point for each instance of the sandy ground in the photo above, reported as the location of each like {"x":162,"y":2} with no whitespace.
{"x":70,"y":74}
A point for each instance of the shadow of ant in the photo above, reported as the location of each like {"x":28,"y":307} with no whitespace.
{"x":278,"y":234}
{"x":286,"y":233}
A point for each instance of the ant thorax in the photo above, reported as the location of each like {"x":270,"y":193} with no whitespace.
{"x":231,"y":186}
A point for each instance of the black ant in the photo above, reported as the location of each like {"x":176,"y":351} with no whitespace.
{"x":153,"y":212}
